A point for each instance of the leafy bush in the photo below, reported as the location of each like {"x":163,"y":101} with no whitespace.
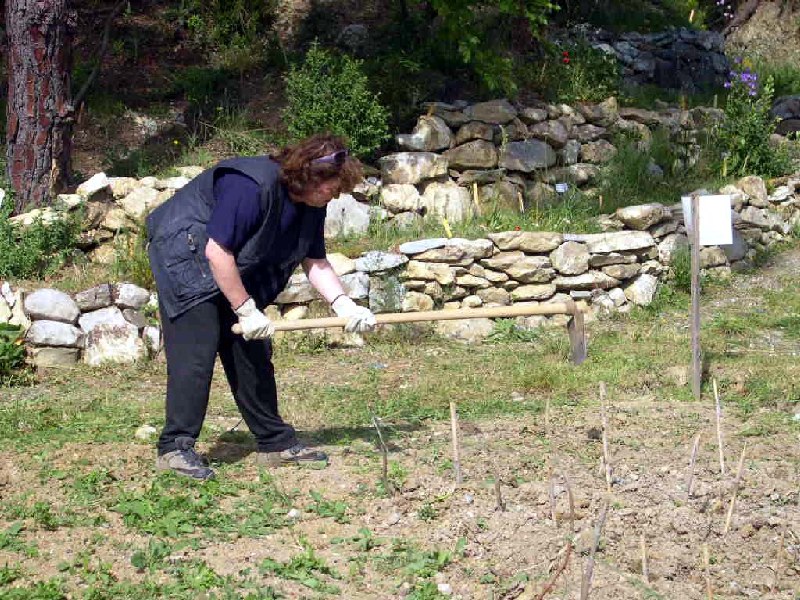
{"x":744,"y":136}
{"x":574,"y":72}
{"x":38,"y":250}
{"x":12,"y":352}
{"x":131,"y":261}
{"x":331,"y":93}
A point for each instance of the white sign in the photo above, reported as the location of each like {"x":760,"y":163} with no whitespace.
{"x":562,"y":187}
{"x":716,"y":225}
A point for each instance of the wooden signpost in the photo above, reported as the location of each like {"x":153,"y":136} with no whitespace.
{"x":708,"y":223}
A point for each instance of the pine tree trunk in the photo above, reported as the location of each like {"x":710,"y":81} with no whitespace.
{"x":39,"y":111}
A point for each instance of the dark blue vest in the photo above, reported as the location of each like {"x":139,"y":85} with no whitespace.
{"x":177,"y":237}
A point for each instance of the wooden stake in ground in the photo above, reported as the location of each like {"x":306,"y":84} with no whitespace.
{"x":606,"y":452}
{"x":690,"y":481}
{"x":456,"y":451}
{"x":694,"y":240}
{"x":586,"y":581}
{"x":568,"y":485}
{"x":707,"y":565}
{"x":498,"y":493}
{"x":551,"y":492}
{"x":645,"y":566}
{"x":779,"y":560}
{"x":718,"y":408}
{"x":736,"y":483}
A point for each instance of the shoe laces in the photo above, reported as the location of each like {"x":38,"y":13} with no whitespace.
{"x":191,"y":457}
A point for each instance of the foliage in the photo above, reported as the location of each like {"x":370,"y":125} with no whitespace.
{"x":131,"y":261}
{"x":633,"y":15}
{"x":37,"y":250}
{"x":643,"y":172}
{"x":743,"y":138}
{"x":481,"y":33}
{"x":12,"y":351}
{"x":305,"y":568}
{"x":785,"y":75}
{"x":574,"y":71}
{"x":235,"y":31}
{"x":329,"y":93}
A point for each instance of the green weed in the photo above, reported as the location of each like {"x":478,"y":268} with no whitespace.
{"x":305,"y":568}
{"x":335,"y":509}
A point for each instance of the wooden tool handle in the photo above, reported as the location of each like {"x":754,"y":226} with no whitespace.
{"x":555,"y":308}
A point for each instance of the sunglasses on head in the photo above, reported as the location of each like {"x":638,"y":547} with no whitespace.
{"x":334,"y":158}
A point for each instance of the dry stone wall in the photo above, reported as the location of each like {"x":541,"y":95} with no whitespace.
{"x":604,"y":272}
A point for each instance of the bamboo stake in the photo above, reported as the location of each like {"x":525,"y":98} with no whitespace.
{"x":568,"y":484}
{"x":606,"y":453}
{"x":498,"y":493}
{"x":551,"y":584}
{"x":586,"y":582}
{"x":719,"y":430}
{"x":645,"y":567}
{"x":456,"y":451}
{"x":707,"y":565}
{"x":691,"y":465}
{"x":736,"y":483}
{"x":779,"y":560}
{"x":476,"y":199}
{"x":385,"y":457}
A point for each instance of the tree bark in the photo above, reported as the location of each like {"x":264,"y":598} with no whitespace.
{"x":39,"y":115}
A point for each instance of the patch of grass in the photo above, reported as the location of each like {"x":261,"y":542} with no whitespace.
{"x":305,"y":568}
{"x":10,"y":540}
{"x":335,"y":509}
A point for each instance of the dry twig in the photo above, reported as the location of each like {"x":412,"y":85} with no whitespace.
{"x":719,"y":430}
{"x":606,"y":452}
{"x":690,"y":482}
{"x":736,"y":484}
{"x":586,"y":582}
{"x":551,"y":584}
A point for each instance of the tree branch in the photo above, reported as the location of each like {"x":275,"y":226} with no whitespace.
{"x":81,"y":95}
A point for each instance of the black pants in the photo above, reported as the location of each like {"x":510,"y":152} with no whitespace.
{"x":192,"y":342}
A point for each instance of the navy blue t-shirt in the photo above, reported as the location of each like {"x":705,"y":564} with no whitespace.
{"x":237,"y":215}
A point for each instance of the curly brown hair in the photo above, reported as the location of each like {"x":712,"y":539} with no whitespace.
{"x":300,"y":172}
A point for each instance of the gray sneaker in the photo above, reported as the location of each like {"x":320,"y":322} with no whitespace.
{"x":297,"y":454}
{"x":185,"y":461}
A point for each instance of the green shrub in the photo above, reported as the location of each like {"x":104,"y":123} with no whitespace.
{"x":576,"y":72}
{"x":329,"y":93}
{"x":12,"y":352}
{"x":38,"y":250}
{"x":131,"y":261}
{"x":743,"y":138}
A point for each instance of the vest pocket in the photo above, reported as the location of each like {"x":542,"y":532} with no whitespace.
{"x":183,"y":256}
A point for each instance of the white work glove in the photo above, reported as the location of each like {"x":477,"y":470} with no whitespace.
{"x":254,"y":323}
{"x":360,"y":318}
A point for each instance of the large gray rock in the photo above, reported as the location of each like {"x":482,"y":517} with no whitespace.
{"x":756,"y":189}
{"x":139,"y":202}
{"x":738,"y":249}
{"x":552,"y":132}
{"x":447,"y":200}
{"x":530,"y":116}
{"x":52,"y":305}
{"x":131,"y":296}
{"x":496,"y":112}
{"x":99,"y":296}
{"x":54,"y":358}
{"x":527,"y":241}
{"x":712,"y":256}
{"x":570,"y":258}
{"x":438,"y":272}
{"x":587,"y":281}
{"x":412,"y":167}
{"x":527,"y":156}
{"x":386,"y":293}
{"x":597,"y":152}
{"x":622,"y":272}
{"x":670,"y":245}
{"x":418,"y":246}
{"x":480,"y":248}
{"x":474,"y":130}
{"x":579,"y":174}
{"x":470,"y":331}
{"x":54,"y":333}
{"x":94,"y":187}
{"x":122,"y":186}
{"x":114,"y":344}
{"x":615,"y":241}
{"x":533,"y":292}
{"x":417,"y":302}
{"x":604,"y":114}
{"x":761,"y":218}
{"x":376,"y":261}
{"x":589,"y":133}
{"x":477,"y":154}
{"x":530,"y":269}
{"x":570,"y":153}
{"x":642,"y":290}
{"x":297,"y":291}
{"x":430,"y":134}
{"x":346,"y":216}
{"x":104,"y":316}
{"x":642,"y":216}
{"x":400,"y":197}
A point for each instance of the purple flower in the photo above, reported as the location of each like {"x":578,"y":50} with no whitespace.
{"x":727,"y":85}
